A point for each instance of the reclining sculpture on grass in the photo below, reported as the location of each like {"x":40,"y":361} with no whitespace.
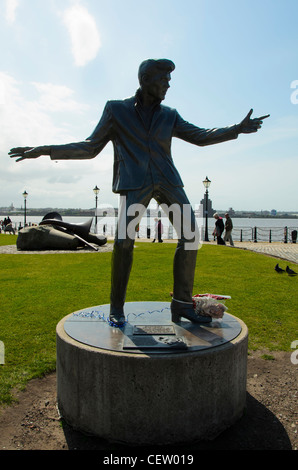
{"x":53,"y":233}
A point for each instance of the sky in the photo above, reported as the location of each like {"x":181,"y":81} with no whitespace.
{"x":62,"y":60}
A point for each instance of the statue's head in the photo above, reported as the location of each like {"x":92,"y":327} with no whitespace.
{"x":154,"y":76}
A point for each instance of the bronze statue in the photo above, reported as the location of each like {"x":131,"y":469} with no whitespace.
{"x":141,"y":130}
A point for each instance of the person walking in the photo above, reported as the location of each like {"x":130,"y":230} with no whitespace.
{"x":219,"y":228}
{"x":155,"y":230}
{"x":159,"y":231}
{"x":228,"y":229}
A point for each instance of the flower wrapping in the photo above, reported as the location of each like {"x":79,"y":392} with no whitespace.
{"x":208,"y":305}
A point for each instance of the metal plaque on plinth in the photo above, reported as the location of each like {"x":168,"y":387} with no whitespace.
{"x":150,"y":342}
{"x":154,"y":330}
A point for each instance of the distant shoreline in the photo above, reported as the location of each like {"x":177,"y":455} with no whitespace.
{"x":110,"y":212}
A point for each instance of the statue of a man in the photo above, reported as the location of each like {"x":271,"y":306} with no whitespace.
{"x":141,"y":130}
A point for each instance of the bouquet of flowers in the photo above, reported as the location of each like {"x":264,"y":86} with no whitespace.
{"x":208,"y":305}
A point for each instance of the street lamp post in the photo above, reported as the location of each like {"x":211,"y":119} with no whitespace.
{"x":25,"y":194}
{"x":206,"y":183}
{"x":96,"y":191}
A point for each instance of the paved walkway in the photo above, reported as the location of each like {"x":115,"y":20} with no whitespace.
{"x":286,"y":251}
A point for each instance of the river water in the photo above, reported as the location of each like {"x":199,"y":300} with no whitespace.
{"x":245,"y":229}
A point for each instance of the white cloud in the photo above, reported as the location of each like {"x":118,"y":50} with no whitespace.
{"x":10,"y":10}
{"x":8,"y":87}
{"x":26,"y":122}
{"x":57,"y":97}
{"x":84,"y":35}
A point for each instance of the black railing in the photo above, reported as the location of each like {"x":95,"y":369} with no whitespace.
{"x":265,"y":234}
{"x":240,"y":234}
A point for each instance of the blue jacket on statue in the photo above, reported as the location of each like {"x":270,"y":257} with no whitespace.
{"x":136,"y":143}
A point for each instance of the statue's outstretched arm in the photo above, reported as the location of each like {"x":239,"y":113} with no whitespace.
{"x":22,"y":153}
{"x":248,"y":125}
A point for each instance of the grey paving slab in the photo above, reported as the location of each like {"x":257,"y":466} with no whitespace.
{"x":284,"y":251}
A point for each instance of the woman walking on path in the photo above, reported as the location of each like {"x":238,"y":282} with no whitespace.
{"x":228,"y":229}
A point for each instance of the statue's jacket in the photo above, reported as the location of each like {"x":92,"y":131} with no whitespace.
{"x":136,"y":144}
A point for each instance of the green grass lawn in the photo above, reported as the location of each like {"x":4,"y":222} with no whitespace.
{"x":7,"y":239}
{"x":37,"y":291}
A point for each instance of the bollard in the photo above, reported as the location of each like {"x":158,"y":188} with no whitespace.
{"x":255,"y":235}
{"x":286,"y":235}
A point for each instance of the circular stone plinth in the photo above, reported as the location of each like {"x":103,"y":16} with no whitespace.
{"x":152,"y":381}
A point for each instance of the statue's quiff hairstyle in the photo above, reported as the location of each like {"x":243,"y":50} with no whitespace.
{"x":150,"y":65}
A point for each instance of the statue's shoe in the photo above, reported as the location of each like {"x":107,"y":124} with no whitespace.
{"x":185,"y":310}
{"x":117,"y":316}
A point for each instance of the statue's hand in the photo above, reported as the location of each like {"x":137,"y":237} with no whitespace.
{"x":251,"y":125}
{"x":22,"y":153}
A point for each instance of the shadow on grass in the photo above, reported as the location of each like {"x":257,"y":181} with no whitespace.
{"x":258,"y":429}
